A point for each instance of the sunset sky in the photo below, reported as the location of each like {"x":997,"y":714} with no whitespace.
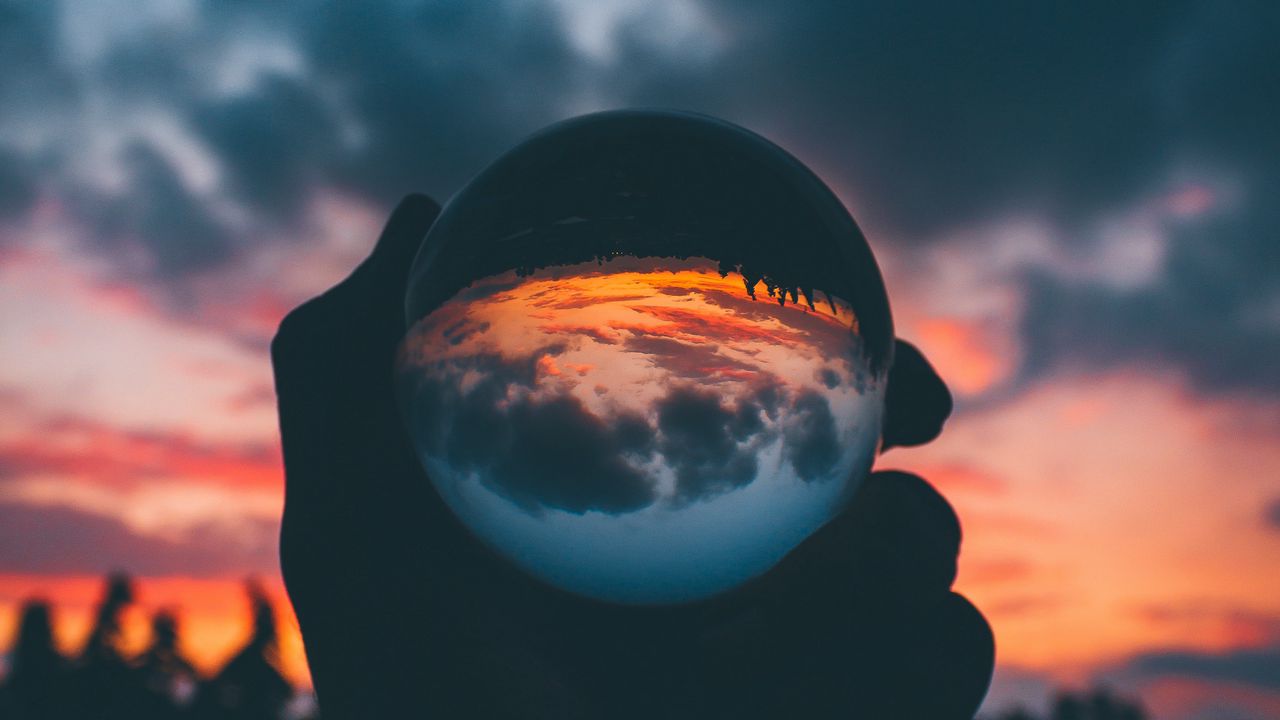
{"x":1073,"y":206}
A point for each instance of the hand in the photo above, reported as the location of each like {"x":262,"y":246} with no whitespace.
{"x":405,"y":614}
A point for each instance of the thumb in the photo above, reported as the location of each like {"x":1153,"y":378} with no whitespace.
{"x":361,"y":315}
{"x":387,"y":267}
{"x":917,"y":402}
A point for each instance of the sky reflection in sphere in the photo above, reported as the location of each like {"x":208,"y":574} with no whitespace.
{"x":645,"y":355}
{"x":640,"y":430}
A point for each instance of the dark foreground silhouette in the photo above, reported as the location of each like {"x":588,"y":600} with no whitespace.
{"x":101,"y":681}
{"x":404,"y":614}
{"x":1099,"y":704}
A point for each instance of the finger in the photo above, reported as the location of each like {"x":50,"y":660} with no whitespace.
{"x":897,"y":542}
{"x":371,"y":292}
{"x":333,"y":357}
{"x":932,"y":663}
{"x":917,"y":401}
{"x":852,"y":661}
{"x":318,"y":344}
{"x":953,"y":658}
{"x":387,"y":267}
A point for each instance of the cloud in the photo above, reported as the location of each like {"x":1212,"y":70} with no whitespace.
{"x":938,"y":119}
{"x":830,"y":378}
{"x":176,"y":229}
{"x":927,"y":120}
{"x":79,"y":448}
{"x":37,"y":77}
{"x":1271,"y":514}
{"x":563,"y":456}
{"x":488,"y":415}
{"x":687,"y":360}
{"x":812,"y":446}
{"x":17,"y":185}
{"x":1251,"y":662}
{"x":701,"y":441}
{"x":1213,"y":313}
{"x":53,"y":539}
{"x":538,"y":452}
{"x":1257,"y":667}
{"x":940,"y":116}
{"x":275,"y":143}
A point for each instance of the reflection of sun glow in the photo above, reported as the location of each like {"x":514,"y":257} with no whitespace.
{"x":719,"y":332}
{"x":598,"y":421}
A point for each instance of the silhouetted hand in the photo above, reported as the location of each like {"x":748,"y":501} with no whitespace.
{"x":405,"y":614}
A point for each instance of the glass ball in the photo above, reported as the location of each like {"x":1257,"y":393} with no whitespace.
{"x":645,"y":356}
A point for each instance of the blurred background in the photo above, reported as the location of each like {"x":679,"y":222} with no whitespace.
{"x":1075,"y":207}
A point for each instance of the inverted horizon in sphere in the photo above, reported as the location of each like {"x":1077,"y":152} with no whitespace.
{"x":640,"y":430}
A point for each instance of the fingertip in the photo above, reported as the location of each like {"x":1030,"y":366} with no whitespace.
{"x":403,"y":233}
{"x":897,"y":498}
{"x":897,"y":543}
{"x":917,"y":401}
{"x":914,"y":529}
{"x":973,"y":629}
{"x":967,"y":653}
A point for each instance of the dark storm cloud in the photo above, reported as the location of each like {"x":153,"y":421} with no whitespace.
{"x":467,"y":428}
{"x":276,"y":143}
{"x":390,"y":98}
{"x":812,"y":446}
{"x":50,"y":539}
{"x":1213,"y":313}
{"x":440,"y":88}
{"x":947,"y":114}
{"x":1255,"y":667}
{"x":158,"y":212}
{"x":36,"y":79}
{"x":554,"y":452}
{"x":700,"y":441}
{"x":1213,"y":310}
{"x":928,"y":118}
{"x":829,"y":377}
{"x":941,"y":113}
{"x":539,"y":453}
{"x":17,"y":185}
{"x":563,"y":456}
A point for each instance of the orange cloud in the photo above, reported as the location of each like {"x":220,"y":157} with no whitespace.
{"x":717,"y":327}
{"x":994,"y":571}
{"x":958,"y":478}
{"x":966,"y":356}
{"x":599,"y":334}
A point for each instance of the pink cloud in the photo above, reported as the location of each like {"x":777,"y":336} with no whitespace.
{"x":76,"y":447}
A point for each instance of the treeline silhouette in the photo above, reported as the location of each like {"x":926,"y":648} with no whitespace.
{"x":103,"y":681}
{"x":1099,"y":704}
{"x":653,"y":184}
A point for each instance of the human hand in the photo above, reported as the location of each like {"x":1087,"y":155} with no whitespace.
{"x":404,"y":612}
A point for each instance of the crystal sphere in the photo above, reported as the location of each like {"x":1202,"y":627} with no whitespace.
{"x":645,"y":356}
